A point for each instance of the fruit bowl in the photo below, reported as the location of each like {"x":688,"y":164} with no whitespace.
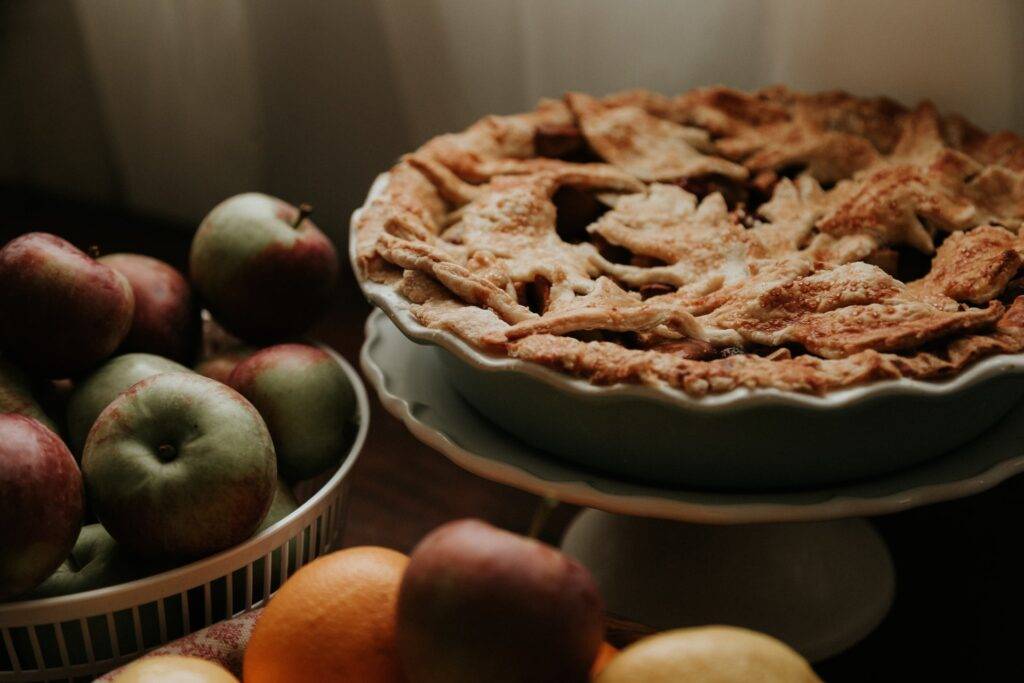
{"x":743,"y":440}
{"x":86,"y":634}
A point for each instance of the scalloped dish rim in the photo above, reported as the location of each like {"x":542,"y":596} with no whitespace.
{"x":397,"y":309}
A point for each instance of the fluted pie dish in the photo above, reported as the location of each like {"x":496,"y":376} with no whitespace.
{"x":722,"y":289}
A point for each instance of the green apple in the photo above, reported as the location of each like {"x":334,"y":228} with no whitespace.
{"x":284,"y":504}
{"x":179,"y":466}
{"x":96,"y":561}
{"x":307,"y":402}
{"x":281,"y":506}
{"x":16,"y":395}
{"x":96,"y":392}
{"x":263,"y":269}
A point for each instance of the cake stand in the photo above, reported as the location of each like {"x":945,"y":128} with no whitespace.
{"x":802,"y":565}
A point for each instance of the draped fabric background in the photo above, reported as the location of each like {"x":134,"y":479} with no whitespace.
{"x":168,"y":106}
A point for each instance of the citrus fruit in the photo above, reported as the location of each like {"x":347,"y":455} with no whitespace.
{"x":709,"y":654}
{"x":334,"y":620}
{"x":174,"y":669}
{"x":604,"y":655}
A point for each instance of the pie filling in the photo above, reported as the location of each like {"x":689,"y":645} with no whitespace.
{"x":714,"y":240}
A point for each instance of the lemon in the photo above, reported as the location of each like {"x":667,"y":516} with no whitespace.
{"x":709,"y":654}
{"x":174,"y":669}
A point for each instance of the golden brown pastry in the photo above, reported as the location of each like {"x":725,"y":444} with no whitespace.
{"x":714,"y":240}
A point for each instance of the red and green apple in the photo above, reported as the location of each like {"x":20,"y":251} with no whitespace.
{"x":179,"y":466}
{"x":307,"y":402}
{"x":99,"y":389}
{"x":262,"y":267}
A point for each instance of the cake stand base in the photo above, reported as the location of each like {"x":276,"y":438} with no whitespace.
{"x":818,"y":586}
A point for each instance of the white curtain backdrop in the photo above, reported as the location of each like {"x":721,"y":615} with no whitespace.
{"x":188,"y":101}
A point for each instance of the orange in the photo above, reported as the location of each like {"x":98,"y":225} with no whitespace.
{"x":604,"y":655}
{"x":334,"y":620}
{"x":174,"y":669}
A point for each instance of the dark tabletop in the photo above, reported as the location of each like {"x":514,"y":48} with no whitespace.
{"x":959,"y":596}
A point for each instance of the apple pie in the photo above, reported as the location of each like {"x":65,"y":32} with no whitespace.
{"x":714,"y":240}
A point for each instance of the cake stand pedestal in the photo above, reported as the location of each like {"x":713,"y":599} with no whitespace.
{"x":803,"y":565}
{"x":819,"y":586}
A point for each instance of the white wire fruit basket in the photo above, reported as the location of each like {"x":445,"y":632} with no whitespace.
{"x":80,"y":636}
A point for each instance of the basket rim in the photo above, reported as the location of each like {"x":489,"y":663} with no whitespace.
{"x":148,"y":589}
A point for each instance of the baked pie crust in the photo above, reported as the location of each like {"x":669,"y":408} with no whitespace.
{"x":714,"y":240}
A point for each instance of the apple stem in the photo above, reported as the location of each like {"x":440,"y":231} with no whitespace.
{"x":166,"y":452}
{"x":304,"y":211}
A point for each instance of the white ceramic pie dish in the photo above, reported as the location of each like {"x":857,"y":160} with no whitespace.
{"x":744,"y":439}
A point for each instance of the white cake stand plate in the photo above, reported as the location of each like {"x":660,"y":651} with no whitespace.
{"x":799,"y":565}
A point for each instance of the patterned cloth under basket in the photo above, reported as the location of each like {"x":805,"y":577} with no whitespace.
{"x":223,"y":643}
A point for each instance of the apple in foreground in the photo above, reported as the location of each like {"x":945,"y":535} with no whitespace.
{"x":16,"y":395}
{"x":99,"y":389}
{"x":41,"y":502}
{"x":263,"y":269}
{"x":166,"y":321}
{"x":482,"y":604}
{"x":307,"y":402}
{"x":179,"y":466}
{"x":63,"y":310}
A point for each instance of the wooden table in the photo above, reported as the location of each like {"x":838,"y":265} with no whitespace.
{"x":959,"y":588}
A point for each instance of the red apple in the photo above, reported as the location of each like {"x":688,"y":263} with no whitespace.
{"x":17,"y":395}
{"x":41,"y":503}
{"x":166,"y":321}
{"x":62,"y":311}
{"x":481,"y":604}
{"x":220,"y":365}
{"x":263,"y":269}
{"x":221,"y":351}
